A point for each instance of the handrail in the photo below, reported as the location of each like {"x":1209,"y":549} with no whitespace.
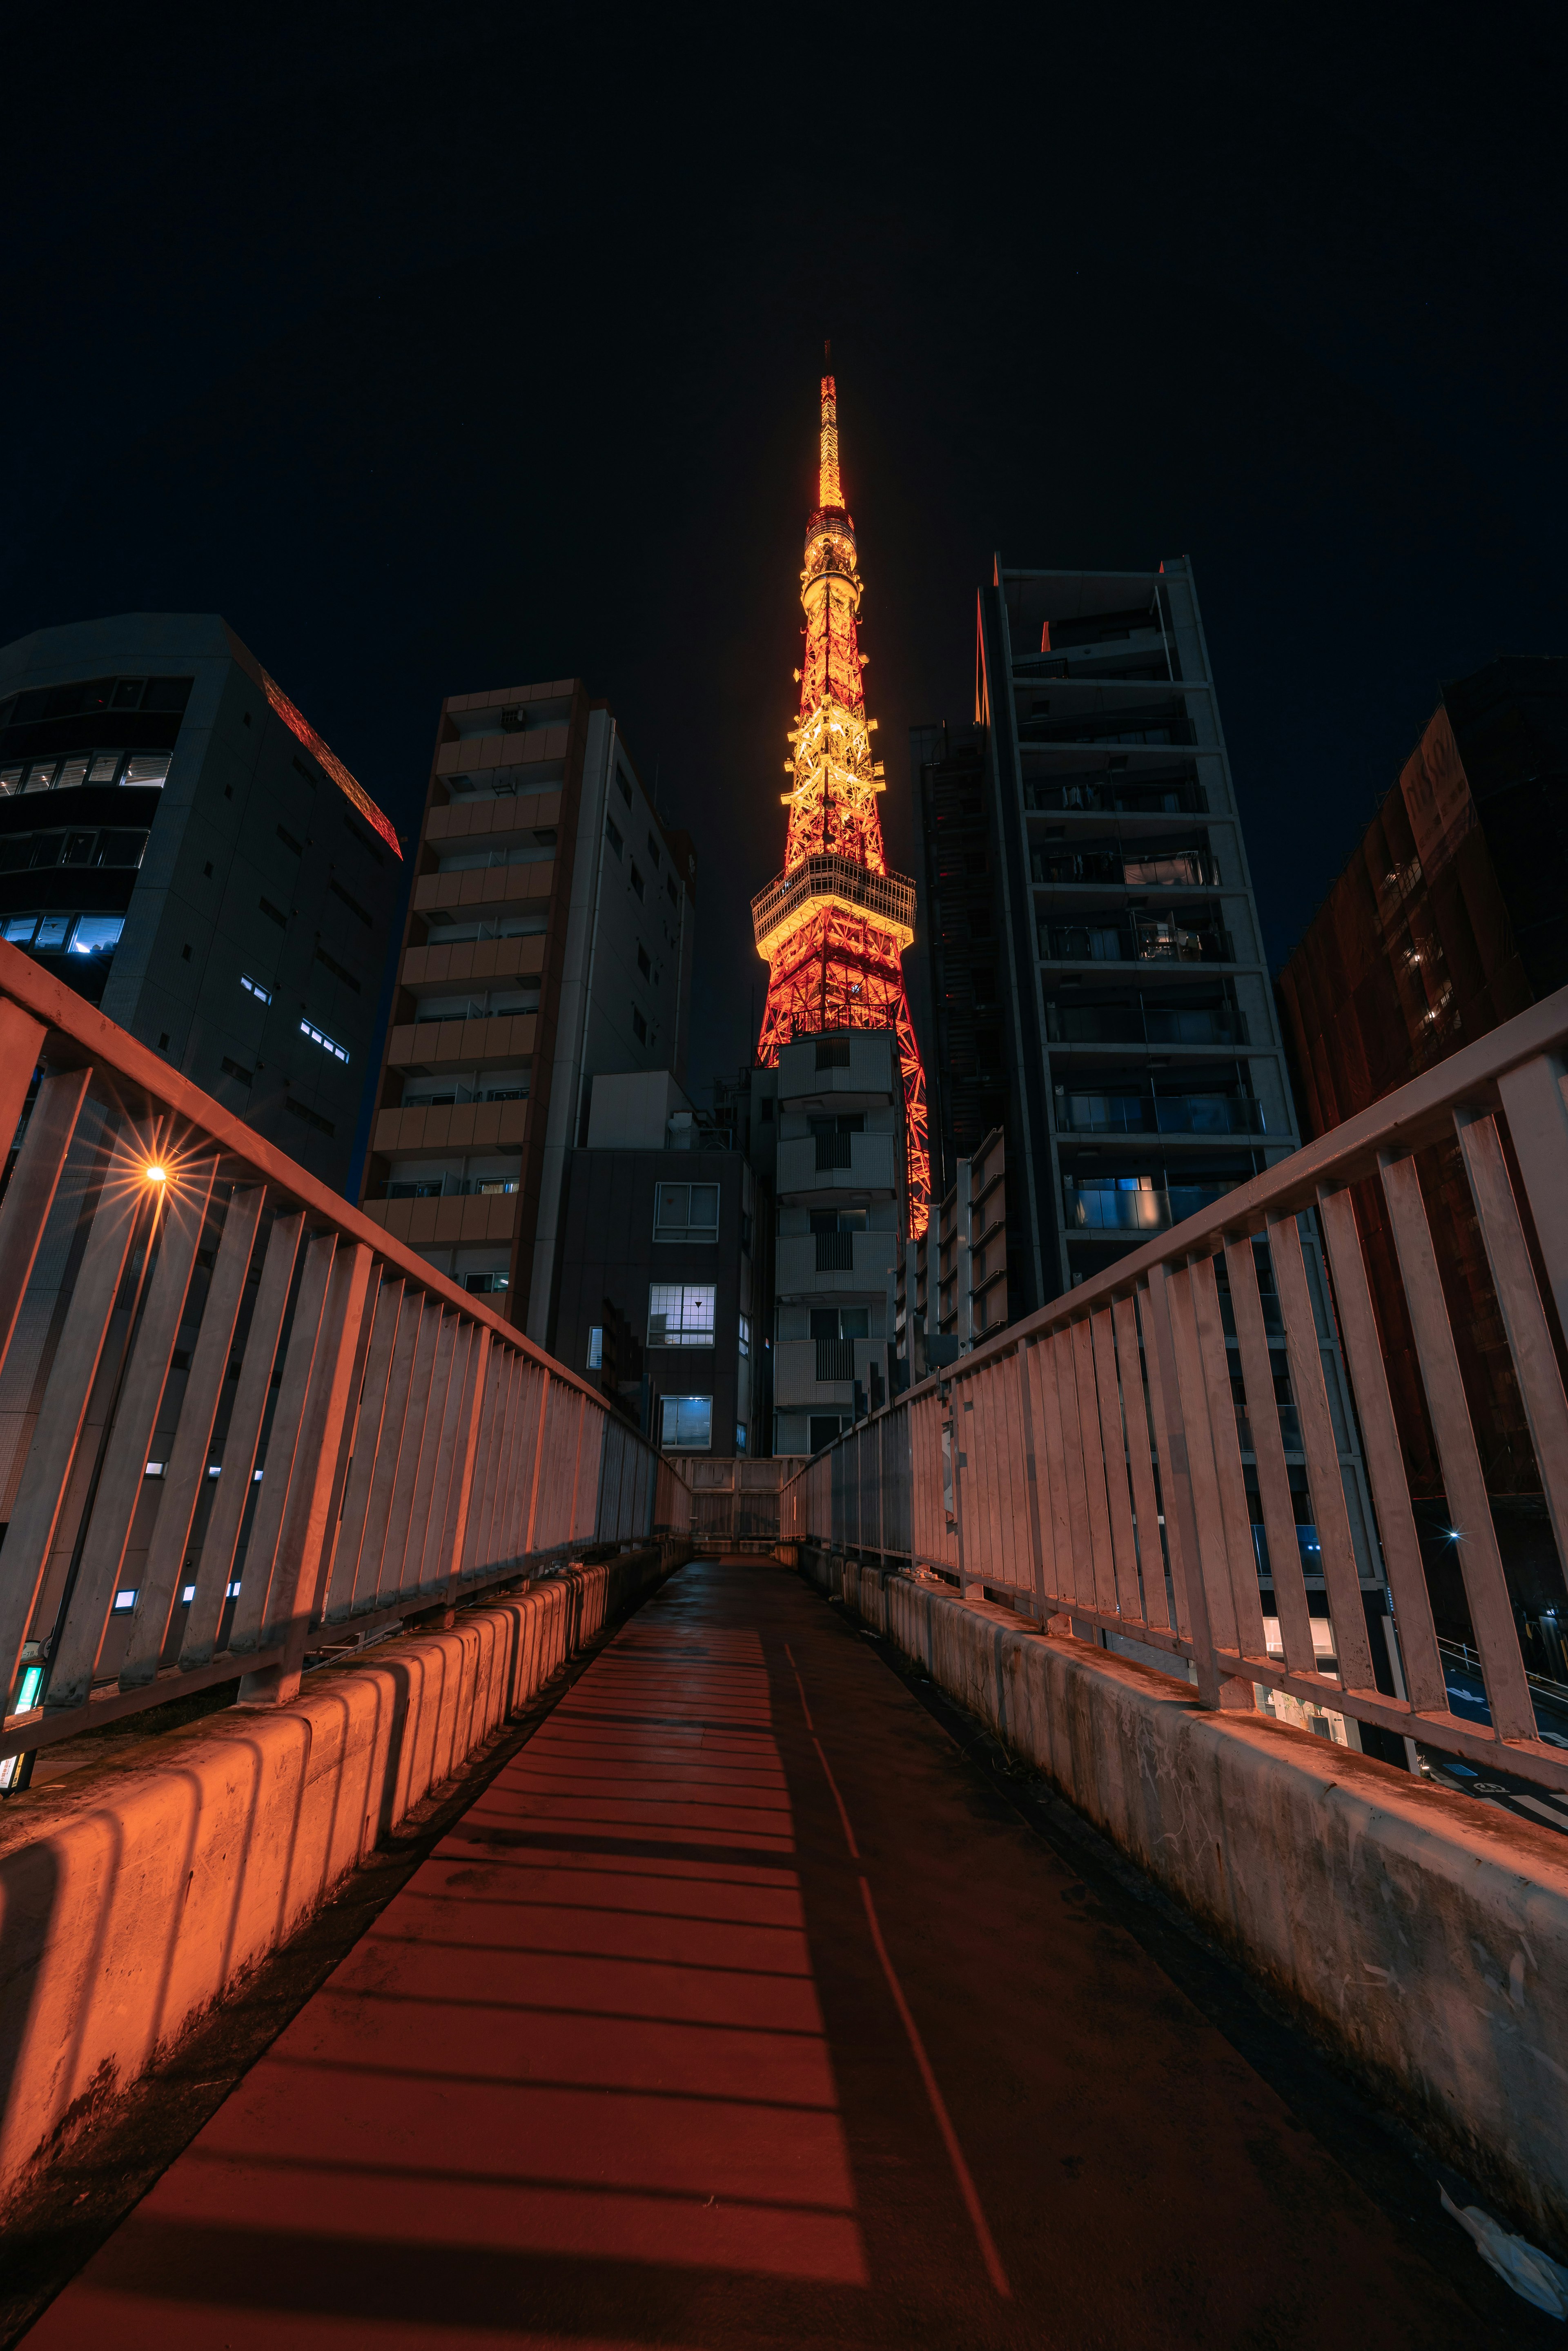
{"x":240,"y":1424}
{"x":1087,"y":1461}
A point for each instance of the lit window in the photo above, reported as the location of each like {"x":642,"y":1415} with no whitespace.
{"x":123,"y":1602}
{"x":740,"y":1437}
{"x":30,"y":1689}
{"x":53,"y":931}
{"x":187,"y":1596}
{"x":150,"y":767}
{"x":680,"y":1314}
{"x":746,"y":1335}
{"x":596,"y":1347}
{"x":10,"y":781}
{"x":104,"y":768}
{"x":687,"y":1423}
{"x":253,"y":988}
{"x":97,"y":933}
{"x":155,"y":1470}
{"x":686,"y":1212}
{"x":19,"y":928}
{"x":319,"y":1037}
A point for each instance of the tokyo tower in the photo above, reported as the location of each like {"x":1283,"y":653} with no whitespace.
{"x":832,"y":927}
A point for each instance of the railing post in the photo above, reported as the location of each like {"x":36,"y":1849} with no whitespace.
{"x":318,"y":1438}
{"x":1230,"y":1694}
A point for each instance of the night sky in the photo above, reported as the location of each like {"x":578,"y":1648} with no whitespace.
{"x":457,"y":352}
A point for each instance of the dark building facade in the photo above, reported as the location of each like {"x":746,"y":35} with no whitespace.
{"x":179,"y":844}
{"x":550,"y":938}
{"x":662,"y":1249}
{"x":1451,"y":917}
{"x":1097,"y":977}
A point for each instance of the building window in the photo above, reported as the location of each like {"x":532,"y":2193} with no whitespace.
{"x":686,"y":1212}
{"x":841,"y":1322}
{"x":746,"y":1335}
{"x":740,"y":1437}
{"x":596,"y":1347}
{"x":653,"y":851}
{"x":639,"y":1027}
{"x":824,"y":1428}
{"x":480,"y":1285}
{"x":687,"y":1423}
{"x":623,"y":785}
{"x":644,"y":966}
{"x":670,"y":886}
{"x":149,"y":768}
{"x":613,"y":834}
{"x":680,"y":1314}
{"x":636,"y":881}
{"x":56,"y":933}
{"x":833,"y":1053}
{"x":253,"y":988}
{"x":319,"y":1037}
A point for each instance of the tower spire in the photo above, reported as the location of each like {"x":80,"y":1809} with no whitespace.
{"x":830,"y":490}
{"x":832,"y":927}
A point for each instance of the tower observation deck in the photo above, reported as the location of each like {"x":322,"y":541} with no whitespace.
{"x":833,"y":925}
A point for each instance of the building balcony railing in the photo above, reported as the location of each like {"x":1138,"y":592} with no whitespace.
{"x":496,"y":1040}
{"x":1139,"y":1021}
{"x":1164,"y":939}
{"x":1137,"y":1204}
{"x":835,"y":1252}
{"x":1114,"y":795}
{"x":868,"y":1169}
{"x":444,"y":1187}
{"x":835,"y":1359}
{"x":1158,"y":1114}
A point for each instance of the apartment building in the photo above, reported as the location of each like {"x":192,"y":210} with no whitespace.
{"x":1097,"y":973}
{"x":665,"y":1250}
{"x":952,"y":1284}
{"x":827,"y":1126}
{"x":549,"y":938}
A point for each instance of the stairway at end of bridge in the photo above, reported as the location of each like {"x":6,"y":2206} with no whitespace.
{"x":741,"y":2010}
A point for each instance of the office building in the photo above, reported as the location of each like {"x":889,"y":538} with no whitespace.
{"x":1449,"y":919}
{"x":661,"y":1288}
{"x":549,"y":938}
{"x":180,"y":845}
{"x":1097,"y":967}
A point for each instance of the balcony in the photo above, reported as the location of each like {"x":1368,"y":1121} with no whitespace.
{"x":522,"y":812}
{"x":1136,"y":1204}
{"x":467,"y":1218}
{"x":867,"y":1167}
{"x":1107,"y":1114}
{"x":485,"y":888}
{"x":837,"y":1263}
{"x":1116,"y":867}
{"x":435,"y":1130}
{"x":434,"y":967}
{"x":1113,"y":795}
{"x":1155,"y":939}
{"x":798,"y":1381}
{"x":499,"y":1038}
{"x":1140,"y":1022}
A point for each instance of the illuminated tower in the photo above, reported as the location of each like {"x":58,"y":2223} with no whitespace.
{"x":832,"y":927}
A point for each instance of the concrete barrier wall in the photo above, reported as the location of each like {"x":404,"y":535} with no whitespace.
{"x":136,"y":1897}
{"x":1422,"y":1935}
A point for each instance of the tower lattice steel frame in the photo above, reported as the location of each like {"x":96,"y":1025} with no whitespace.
{"x":832,"y":927}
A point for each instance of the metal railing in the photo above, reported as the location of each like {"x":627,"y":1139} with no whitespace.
{"x":240,"y":1425}
{"x":1087,"y":1462}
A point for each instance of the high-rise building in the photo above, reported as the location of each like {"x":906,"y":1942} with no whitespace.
{"x":1449,"y":919}
{"x":833,"y":925}
{"x":549,"y":938}
{"x":1097,"y":966}
{"x":179,"y":844}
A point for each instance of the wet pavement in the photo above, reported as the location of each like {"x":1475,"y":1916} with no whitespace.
{"x":740,"y":2008}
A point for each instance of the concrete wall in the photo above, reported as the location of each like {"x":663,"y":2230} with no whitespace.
{"x":135,"y":1896}
{"x":1423,"y":1936}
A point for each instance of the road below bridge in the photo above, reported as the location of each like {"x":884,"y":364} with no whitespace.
{"x":742,"y":2009}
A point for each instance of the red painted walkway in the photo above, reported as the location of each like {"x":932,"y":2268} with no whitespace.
{"x":739,"y":2011}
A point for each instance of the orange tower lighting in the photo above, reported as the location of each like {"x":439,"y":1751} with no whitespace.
{"x":832,"y":927}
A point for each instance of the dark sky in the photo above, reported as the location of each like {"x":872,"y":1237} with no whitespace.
{"x":453,"y":351}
